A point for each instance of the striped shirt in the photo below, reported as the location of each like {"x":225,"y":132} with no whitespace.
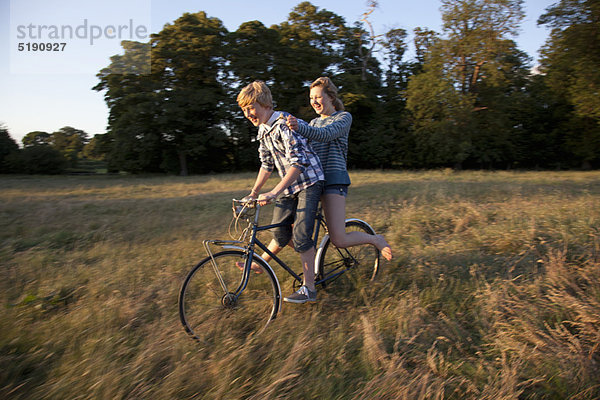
{"x":283,"y":148}
{"x":329,"y":138}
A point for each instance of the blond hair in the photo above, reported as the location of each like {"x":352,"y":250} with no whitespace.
{"x":256,"y":91}
{"x":330,"y":89}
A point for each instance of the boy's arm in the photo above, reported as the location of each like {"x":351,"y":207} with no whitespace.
{"x":261,"y":179}
{"x":290,"y":177}
{"x":266,"y":168}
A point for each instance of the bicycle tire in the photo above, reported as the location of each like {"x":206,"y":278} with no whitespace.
{"x":207,"y":312}
{"x":359,"y":264}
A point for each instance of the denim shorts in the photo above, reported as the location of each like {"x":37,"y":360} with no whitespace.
{"x":342,"y":190}
{"x":300,"y":210}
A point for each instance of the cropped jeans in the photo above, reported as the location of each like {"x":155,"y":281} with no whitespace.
{"x":300,"y":210}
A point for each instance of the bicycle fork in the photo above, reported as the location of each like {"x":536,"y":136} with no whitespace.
{"x":229,"y":297}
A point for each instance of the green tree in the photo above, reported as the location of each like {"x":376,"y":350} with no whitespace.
{"x":571,"y":55}
{"x":477,"y":36}
{"x":394,"y":45}
{"x":496,"y":132}
{"x":359,"y":78}
{"x":441,"y":117}
{"x":69,"y":142}
{"x":424,"y":40}
{"x":570,"y":60}
{"x":166,"y":115}
{"x":310,"y":45}
{"x":44,"y":160}
{"x":252,"y":52}
{"x":187,"y":60}
{"x":37,"y":138}
{"x":540,"y":116}
{"x":97,"y":148}
{"x":131,"y":96}
{"x":459,"y":71}
{"x":288,"y":57}
{"x":8,"y":146}
{"x":392,"y":121}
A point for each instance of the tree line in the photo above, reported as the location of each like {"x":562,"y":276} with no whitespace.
{"x":47,"y":153}
{"x":468,"y":98}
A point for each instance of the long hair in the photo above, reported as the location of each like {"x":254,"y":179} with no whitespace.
{"x":330,"y":89}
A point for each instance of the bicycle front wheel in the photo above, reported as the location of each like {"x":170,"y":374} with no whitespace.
{"x":359,"y":264}
{"x":213,"y":302}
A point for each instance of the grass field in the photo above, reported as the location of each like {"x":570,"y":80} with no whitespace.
{"x":494,"y":292}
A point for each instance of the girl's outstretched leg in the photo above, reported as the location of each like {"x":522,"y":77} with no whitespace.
{"x":334,"y":208}
{"x":384,"y":248}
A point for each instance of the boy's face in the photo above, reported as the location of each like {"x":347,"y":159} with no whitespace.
{"x":257,"y":114}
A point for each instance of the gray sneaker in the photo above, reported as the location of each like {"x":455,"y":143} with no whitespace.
{"x":302,"y":295}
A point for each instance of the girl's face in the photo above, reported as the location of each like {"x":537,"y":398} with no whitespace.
{"x":321,"y":102}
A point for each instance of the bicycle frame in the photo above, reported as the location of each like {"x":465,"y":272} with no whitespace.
{"x":243,"y":250}
{"x":249,"y":248}
{"x":254,"y":241}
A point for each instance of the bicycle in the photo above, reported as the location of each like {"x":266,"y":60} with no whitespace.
{"x":217,"y":295}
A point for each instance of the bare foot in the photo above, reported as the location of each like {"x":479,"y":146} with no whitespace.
{"x":254,"y":267}
{"x":383,"y":246}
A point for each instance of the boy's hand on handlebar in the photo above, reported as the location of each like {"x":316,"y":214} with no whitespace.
{"x":251,"y":196}
{"x":266,"y":198}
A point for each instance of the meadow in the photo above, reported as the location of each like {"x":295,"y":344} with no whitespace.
{"x":493,"y":292}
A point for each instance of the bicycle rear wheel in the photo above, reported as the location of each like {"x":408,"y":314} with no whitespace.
{"x":211,"y":302}
{"x":359,"y":264}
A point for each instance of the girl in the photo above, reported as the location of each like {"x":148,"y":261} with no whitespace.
{"x":328,"y":135}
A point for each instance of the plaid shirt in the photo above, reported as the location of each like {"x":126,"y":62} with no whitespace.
{"x":283,"y":148}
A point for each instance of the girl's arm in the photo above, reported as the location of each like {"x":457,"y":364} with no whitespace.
{"x":340,"y":127}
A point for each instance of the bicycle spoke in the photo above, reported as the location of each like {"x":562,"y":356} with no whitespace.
{"x":334,"y":266}
{"x":359,"y":263}
{"x":207,"y":312}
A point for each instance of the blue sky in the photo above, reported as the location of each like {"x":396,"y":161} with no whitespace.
{"x":46,"y":91}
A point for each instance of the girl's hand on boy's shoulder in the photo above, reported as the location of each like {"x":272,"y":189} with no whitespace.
{"x":292,"y":122}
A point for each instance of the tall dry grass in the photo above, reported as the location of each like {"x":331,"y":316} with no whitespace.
{"x":494,"y":292}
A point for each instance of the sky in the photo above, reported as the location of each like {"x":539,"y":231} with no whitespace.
{"x":48,"y":90}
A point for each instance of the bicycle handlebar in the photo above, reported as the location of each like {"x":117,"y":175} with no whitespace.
{"x":245,"y":200}
{"x":253,"y":202}
{"x":246,"y":207}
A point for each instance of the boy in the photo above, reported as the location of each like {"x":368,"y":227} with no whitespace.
{"x":300,"y":186}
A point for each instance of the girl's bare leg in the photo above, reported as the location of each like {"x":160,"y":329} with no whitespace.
{"x":334,"y":208}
